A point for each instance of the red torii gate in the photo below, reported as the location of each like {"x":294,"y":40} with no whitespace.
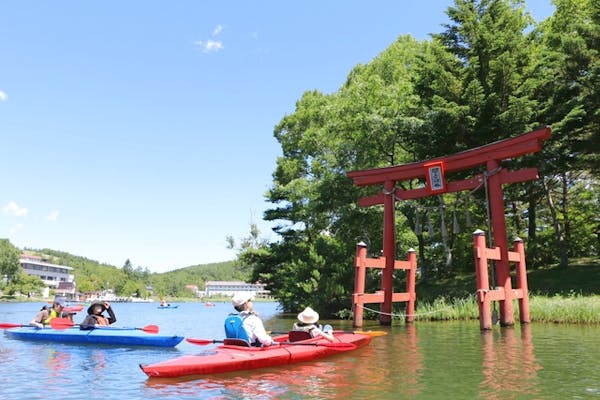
{"x":434,"y":172}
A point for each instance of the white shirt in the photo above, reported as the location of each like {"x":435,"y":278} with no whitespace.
{"x":255,"y":329}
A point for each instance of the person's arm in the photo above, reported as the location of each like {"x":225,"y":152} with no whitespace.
{"x":111,"y":314}
{"x":39,"y":319}
{"x":315,"y":332}
{"x":258,"y":330}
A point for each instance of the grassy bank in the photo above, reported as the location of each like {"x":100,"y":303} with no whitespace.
{"x":576,"y":309}
{"x":560,"y":295}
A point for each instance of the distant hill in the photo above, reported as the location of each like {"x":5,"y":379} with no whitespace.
{"x":92,"y":275}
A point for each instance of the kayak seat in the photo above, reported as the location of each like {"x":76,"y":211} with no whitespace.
{"x":236,"y":342}
{"x":296,"y":336}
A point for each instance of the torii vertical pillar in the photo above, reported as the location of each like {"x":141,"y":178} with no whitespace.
{"x":496,"y":199}
{"x":389,"y":252}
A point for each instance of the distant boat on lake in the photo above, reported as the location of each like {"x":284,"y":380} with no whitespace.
{"x":167,"y":306}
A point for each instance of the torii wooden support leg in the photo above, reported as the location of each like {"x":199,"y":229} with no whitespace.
{"x":389,"y":252}
{"x":360,"y":274}
{"x":499,"y":231}
{"x":521,"y":273}
{"x":483,"y":280}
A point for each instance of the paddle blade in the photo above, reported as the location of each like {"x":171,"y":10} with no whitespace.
{"x":6,"y":325}
{"x":371,"y":333}
{"x":150,"y":328}
{"x":61,"y":323}
{"x":200,"y":342}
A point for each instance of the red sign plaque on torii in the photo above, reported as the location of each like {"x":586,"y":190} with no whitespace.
{"x":434,"y":172}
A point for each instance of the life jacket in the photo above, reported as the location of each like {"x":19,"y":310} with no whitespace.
{"x":305,"y":328}
{"x":100,"y":320}
{"x":234,"y":328}
{"x":52,"y":314}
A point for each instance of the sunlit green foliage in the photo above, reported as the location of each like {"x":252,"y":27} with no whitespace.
{"x":492,"y":73}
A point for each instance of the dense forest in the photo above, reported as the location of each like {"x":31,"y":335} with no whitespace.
{"x":491,"y":73}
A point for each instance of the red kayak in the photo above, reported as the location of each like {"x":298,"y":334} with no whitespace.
{"x":228,"y":358}
{"x":75,"y":308}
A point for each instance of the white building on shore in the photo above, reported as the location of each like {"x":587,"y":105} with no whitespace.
{"x":50,"y":274}
{"x":231,"y":288}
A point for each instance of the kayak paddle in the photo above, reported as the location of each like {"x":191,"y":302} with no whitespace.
{"x":6,"y":325}
{"x":367,"y":333}
{"x":64,"y":323}
{"x":340,"y":345}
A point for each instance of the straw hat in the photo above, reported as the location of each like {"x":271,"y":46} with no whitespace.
{"x":308,"y":316}
{"x":241,"y":298}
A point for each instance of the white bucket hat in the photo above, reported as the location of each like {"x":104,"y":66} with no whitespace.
{"x":241,"y":298}
{"x":308,"y":316}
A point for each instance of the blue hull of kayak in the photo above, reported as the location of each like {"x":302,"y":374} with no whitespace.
{"x":108,"y":336}
{"x":167,"y":306}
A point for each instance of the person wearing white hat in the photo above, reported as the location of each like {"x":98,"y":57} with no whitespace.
{"x":308,"y":322}
{"x":251,"y":322}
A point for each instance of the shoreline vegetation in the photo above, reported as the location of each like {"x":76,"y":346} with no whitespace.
{"x":574,"y":308}
{"x":556,"y":295}
{"x":571,"y":309}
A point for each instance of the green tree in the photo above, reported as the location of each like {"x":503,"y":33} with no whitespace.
{"x":128,"y":268}
{"x":25,"y":284}
{"x":9,"y":260}
{"x":565,"y":79}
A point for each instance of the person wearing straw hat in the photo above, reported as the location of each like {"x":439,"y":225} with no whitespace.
{"x":251,"y":322}
{"x":308,"y":322}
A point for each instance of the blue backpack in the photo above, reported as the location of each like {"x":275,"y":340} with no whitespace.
{"x":234,"y":328}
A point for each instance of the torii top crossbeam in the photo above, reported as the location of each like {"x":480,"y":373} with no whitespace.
{"x":526,"y":143}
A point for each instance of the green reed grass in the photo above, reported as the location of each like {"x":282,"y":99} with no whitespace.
{"x":573,"y":308}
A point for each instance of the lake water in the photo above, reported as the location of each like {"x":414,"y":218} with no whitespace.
{"x":429,"y":360}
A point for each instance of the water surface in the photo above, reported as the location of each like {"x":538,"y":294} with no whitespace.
{"x":428,"y":360}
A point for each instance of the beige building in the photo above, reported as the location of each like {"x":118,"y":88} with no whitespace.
{"x":231,"y":288}
{"x":51,"y":274}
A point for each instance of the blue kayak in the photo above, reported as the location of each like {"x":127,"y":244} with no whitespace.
{"x":167,"y":306}
{"x":105,"y":335}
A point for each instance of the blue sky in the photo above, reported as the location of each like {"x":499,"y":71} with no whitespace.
{"x":143,"y":130}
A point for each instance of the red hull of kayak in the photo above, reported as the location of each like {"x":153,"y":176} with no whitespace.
{"x":234,"y":358}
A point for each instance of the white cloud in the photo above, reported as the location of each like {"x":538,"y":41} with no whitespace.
{"x":209,"y":45}
{"x":3,"y":96}
{"x":53,"y":216}
{"x":13,"y":208}
{"x":218,"y":29}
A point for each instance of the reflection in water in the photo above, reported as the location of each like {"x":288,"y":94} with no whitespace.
{"x":430,"y":360}
{"x":57,"y":362}
{"x":364,"y":373}
{"x":393,"y":366}
{"x":325,"y":379}
{"x":509,"y":364}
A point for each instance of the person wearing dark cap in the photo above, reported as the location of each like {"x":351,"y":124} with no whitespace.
{"x":96,"y":318}
{"x":45,"y":314}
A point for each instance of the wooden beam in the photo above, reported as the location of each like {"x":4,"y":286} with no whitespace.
{"x":504,"y":149}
